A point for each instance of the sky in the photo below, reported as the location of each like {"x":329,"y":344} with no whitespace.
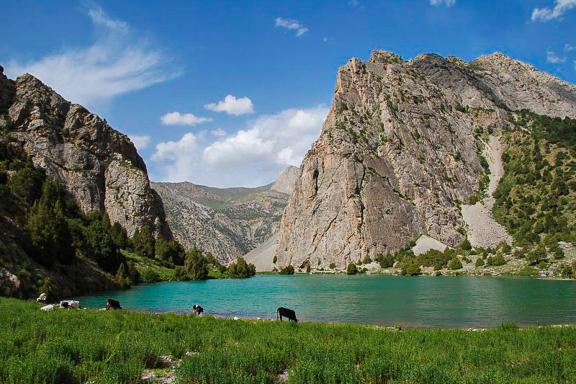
{"x":230,"y":93}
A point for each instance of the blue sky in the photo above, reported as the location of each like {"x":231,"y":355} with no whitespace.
{"x":229,"y":93}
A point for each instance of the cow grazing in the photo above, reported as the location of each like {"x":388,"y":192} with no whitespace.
{"x":42,"y":298}
{"x":197,"y":310}
{"x":113,"y":304}
{"x":69,"y":304}
{"x":285,"y":312}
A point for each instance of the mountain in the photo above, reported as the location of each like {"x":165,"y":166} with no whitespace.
{"x":72,"y":190}
{"x":227,"y":222}
{"x":96,"y":164}
{"x":411,"y":153}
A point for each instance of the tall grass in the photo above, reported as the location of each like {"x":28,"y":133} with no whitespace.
{"x":81,"y":346}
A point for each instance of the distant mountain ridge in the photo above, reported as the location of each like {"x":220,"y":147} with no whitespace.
{"x":228,"y":222}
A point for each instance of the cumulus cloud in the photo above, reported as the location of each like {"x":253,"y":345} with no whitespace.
{"x":291,"y":24}
{"x":140,"y":141}
{"x":232,"y":105}
{"x":177,"y":118}
{"x":569,"y":47}
{"x":116,"y":63}
{"x":447,"y":3}
{"x":558,"y":10}
{"x":250,"y":157}
{"x":553,"y":58}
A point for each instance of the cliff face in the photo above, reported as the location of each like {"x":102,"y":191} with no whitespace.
{"x":228,"y":222}
{"x":400,"y":151}
{"x":97,"y":165}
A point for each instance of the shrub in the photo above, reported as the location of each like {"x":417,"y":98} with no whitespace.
{"x":411,"y":268}
{"x":351,"y":270}
{"x":149,"y":275}
{"x":455,"y":264}
{"x":332,"y":266}
{"x":287,"y":270}
{"x":386,"y":261}
{"x":479,"y":262}
{"x":466,"y":246}
{"x":537,"y":254}
{"x":195,"y":265}
{"x":496,"y":261}
{"x":143,"y":241}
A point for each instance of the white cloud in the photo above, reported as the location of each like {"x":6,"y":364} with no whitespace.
{"x":177,"y":118}
{"x":232,"y":105}
{"x":219,"y":132}
{"x":116,"y":63}
{"x":140,"y":141}
{"x":447,"y":3}
{"x":559,"y":9}
{"x":353,"y":3}
{"x":553,"y":58}
{"x":250,"y":157}
{"x":291,"y":24}
{"x":569,"y":48}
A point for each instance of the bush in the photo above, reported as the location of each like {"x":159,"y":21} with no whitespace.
{"x":351,"y":270}
{"x":496,"y":261}
{"x":149,"y":275}
{"x":288,"y":270}
{"x":411,"y":268}
{"x":455,"y":264}
{"x":386,"y":261}
{"x":241,"y":269}
{"x":537,"y":254}
{"x":466,"y":246}
{"x":332,"y":266}
{"x":479,"y":262}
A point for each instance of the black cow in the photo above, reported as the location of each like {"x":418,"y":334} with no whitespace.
{"x":285,"y":312}
{"x":113,"y":304}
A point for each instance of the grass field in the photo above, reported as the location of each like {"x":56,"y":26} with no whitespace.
{"x":86,"y":346}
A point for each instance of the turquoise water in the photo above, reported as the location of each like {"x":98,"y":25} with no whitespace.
{"x":386,"y":300}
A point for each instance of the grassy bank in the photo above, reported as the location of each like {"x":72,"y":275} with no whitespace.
{"x":81,"y":346}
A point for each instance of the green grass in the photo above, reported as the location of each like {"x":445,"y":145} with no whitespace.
{"x":150,"y":267}
{"x":81,"y":346}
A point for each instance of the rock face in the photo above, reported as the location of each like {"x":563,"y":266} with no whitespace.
{"x":228,"y":222}
{"x":400,"y":151}
{"x":97,"y":165}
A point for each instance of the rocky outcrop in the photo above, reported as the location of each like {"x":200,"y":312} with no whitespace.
{"x":285,"y":182}
{"x":400,"y":152}
{"x":228,"y":222}
{"x":97,"y":165}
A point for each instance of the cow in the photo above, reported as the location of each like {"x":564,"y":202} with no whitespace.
{"x":69,"y":304}
{"x":197,"y":310}
{"x":112,"y":304}
{"x":285,"y":312}
{"x":42,"y":298}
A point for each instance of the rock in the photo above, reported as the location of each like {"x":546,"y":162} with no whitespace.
{"x":285,"y":182}
{"x":399,"y":153}
{"x":97,"y":165}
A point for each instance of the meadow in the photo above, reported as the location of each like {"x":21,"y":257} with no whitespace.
{"x":88,"y":346}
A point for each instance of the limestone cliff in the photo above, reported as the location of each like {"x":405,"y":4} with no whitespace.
{"x":400,"y":152}
{"x":97,"y":165}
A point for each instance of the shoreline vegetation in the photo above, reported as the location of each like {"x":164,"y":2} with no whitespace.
{"x":59,"y":347}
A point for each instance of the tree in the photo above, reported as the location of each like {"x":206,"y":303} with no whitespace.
{"x":27,"y":184}
{"x":170,"y":251}
{"x":351,"y":269}
{"x":479,"y":262}
{"x":466,"y":246}
{"x":195,"y":265}
{"x":537,"y":255}
{"x":122,"y":277}
{"x":48,"y":229}
{"x":119,"y":236}
{"x":386,"y":261}
{"x":411,"y":268}
{"x":143,"y":241}
{"x":241,"y":269}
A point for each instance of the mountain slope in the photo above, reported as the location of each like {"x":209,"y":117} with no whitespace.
{"x":97,"y":165}
{"x":227,"y":222}
{"x":401,"y":150}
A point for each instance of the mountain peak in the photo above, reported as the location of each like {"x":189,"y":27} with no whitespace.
{"x":285,"y":182}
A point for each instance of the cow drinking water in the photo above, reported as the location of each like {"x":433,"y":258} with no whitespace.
{"x":285,"y":312}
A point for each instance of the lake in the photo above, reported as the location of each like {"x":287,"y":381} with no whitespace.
{"x":384,"y":300}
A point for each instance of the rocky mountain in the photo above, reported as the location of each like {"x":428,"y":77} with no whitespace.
{"x":228,"y":222}
{"x":96,"y":164}
{"x":410,"y":151}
